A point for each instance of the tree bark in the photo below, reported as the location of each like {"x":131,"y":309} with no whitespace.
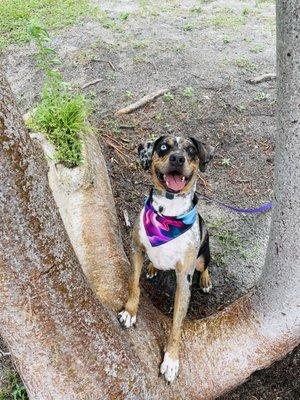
{"x":68,"y":345}
{"x":84,"y":198}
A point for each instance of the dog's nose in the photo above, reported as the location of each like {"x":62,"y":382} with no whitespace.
{"x":177,"y":160}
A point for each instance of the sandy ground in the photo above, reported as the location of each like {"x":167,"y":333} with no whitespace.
{"x":207,"y":51}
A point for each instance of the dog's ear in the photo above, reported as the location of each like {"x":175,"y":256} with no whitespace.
{"x":146,"y":150}
{"x":205,"y":153}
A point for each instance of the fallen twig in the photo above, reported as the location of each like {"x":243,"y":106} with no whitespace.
{"x":118,"y":151}
{"x":126,"y":218}
{"x":242,"y":180}
{"x":110,"y":141}
{"x":4,"y":353}
{"x":262,"y":78}
{"x":204,"y":181}
{"x":124,"y":140}
{"x":143,"y":101}
{"x":92,"y":83}
{"x":126,"y":127}
{"x":106,"y":62}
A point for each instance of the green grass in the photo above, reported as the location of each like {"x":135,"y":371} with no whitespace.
{"x":16,"y":14}
{"x":129,"y":95}
{"x":258,"y":48}
{"x":140,"y":44}
{"x":227,"y":18}
{"x":61,"y":117}
{"x":258,"y":2}
{"x":196,"y":10}
{"x":62,"y":113}
{"x":109,"y":22}
{"x":179,"y":48}
{"x":159,"y":117}
{"x":261,"y":96}
{"x":139,"y":59}
{"x":226,"y":162}
{"x":226,"y":39}
{"x":228,"y":240}
{"x":240,"y":108}
{"x":188,"y":26}
{"x":123,"y":16}
{"x":13,"y":388}
{"x":188,"y":92}
{"x":245,"y":64}
{"x":168,"y":97}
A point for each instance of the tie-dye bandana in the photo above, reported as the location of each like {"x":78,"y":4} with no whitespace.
{"x":161,"y":229}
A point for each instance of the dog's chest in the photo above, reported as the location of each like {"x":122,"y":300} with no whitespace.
{"x":167,"y":255}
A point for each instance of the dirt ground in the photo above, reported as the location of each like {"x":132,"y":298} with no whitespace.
{"x":205,"y":52}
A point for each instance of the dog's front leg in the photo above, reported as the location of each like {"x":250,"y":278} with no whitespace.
{"x":170,"y":365}
{"x":127,"y":317}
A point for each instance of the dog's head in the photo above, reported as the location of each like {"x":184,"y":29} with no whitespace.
{"x":174,"y":162}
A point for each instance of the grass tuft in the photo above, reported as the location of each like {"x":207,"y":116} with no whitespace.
{"x":227,"y":18}
{"x":123,"y":16}
{"x":258,"y":48}
{"x":188,"y":91}
{"x":226,"y":39}
{"x":61,"y":114}
{"x":259,"y":2}
{"x":228,"y":242}
{"x":261,"y":96}
{"x":55,"y":14}
{"x":168,"y":97}
{"x":13,"y":388}
{"x":188,"y":26}
{"x":245,"y":64}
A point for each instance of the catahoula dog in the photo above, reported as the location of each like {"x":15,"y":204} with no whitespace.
{"x":171,"y":232}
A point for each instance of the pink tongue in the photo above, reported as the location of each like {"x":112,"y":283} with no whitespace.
{"x":174,"y":182}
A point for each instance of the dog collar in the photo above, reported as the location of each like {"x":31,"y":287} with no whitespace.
{"x":166,"y":194}
{"x":161,"y":229}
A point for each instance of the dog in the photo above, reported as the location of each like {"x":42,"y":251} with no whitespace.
{"x":171,"y":232}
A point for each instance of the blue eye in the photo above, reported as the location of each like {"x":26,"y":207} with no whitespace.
{"x":163,"y":147}
{"x":191,"y":150}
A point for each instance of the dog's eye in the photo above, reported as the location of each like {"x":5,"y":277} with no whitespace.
{"x":191,"y":150}
{"x":163,"y":147}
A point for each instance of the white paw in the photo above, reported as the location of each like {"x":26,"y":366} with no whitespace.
{"x":207,"y":289}
{"x":127,"y":320}
{"x":169,"y":368}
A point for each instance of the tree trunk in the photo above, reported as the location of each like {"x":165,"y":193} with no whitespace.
{"x":67,"y":345}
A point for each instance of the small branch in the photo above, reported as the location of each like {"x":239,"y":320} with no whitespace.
{"x":126,"y":218}
{"x":243,"y":180}
{"x":122,"y":139}
{"x":92,"y":83}
{"x":143,"y":101}
{"x":204,"y":181}
{"x":126,"y":127}
{"x":262,"y":78}
{"x":4,"y":353}
{"x":106,"y":62}
{"x":116,"y":147}
{"x":119,"y":152}
{"x":117,"y":142}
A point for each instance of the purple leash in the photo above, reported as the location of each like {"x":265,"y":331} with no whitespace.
{"x":263,"y":208}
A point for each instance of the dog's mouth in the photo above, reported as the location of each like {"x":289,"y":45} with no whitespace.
{"x":173,"y":181}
